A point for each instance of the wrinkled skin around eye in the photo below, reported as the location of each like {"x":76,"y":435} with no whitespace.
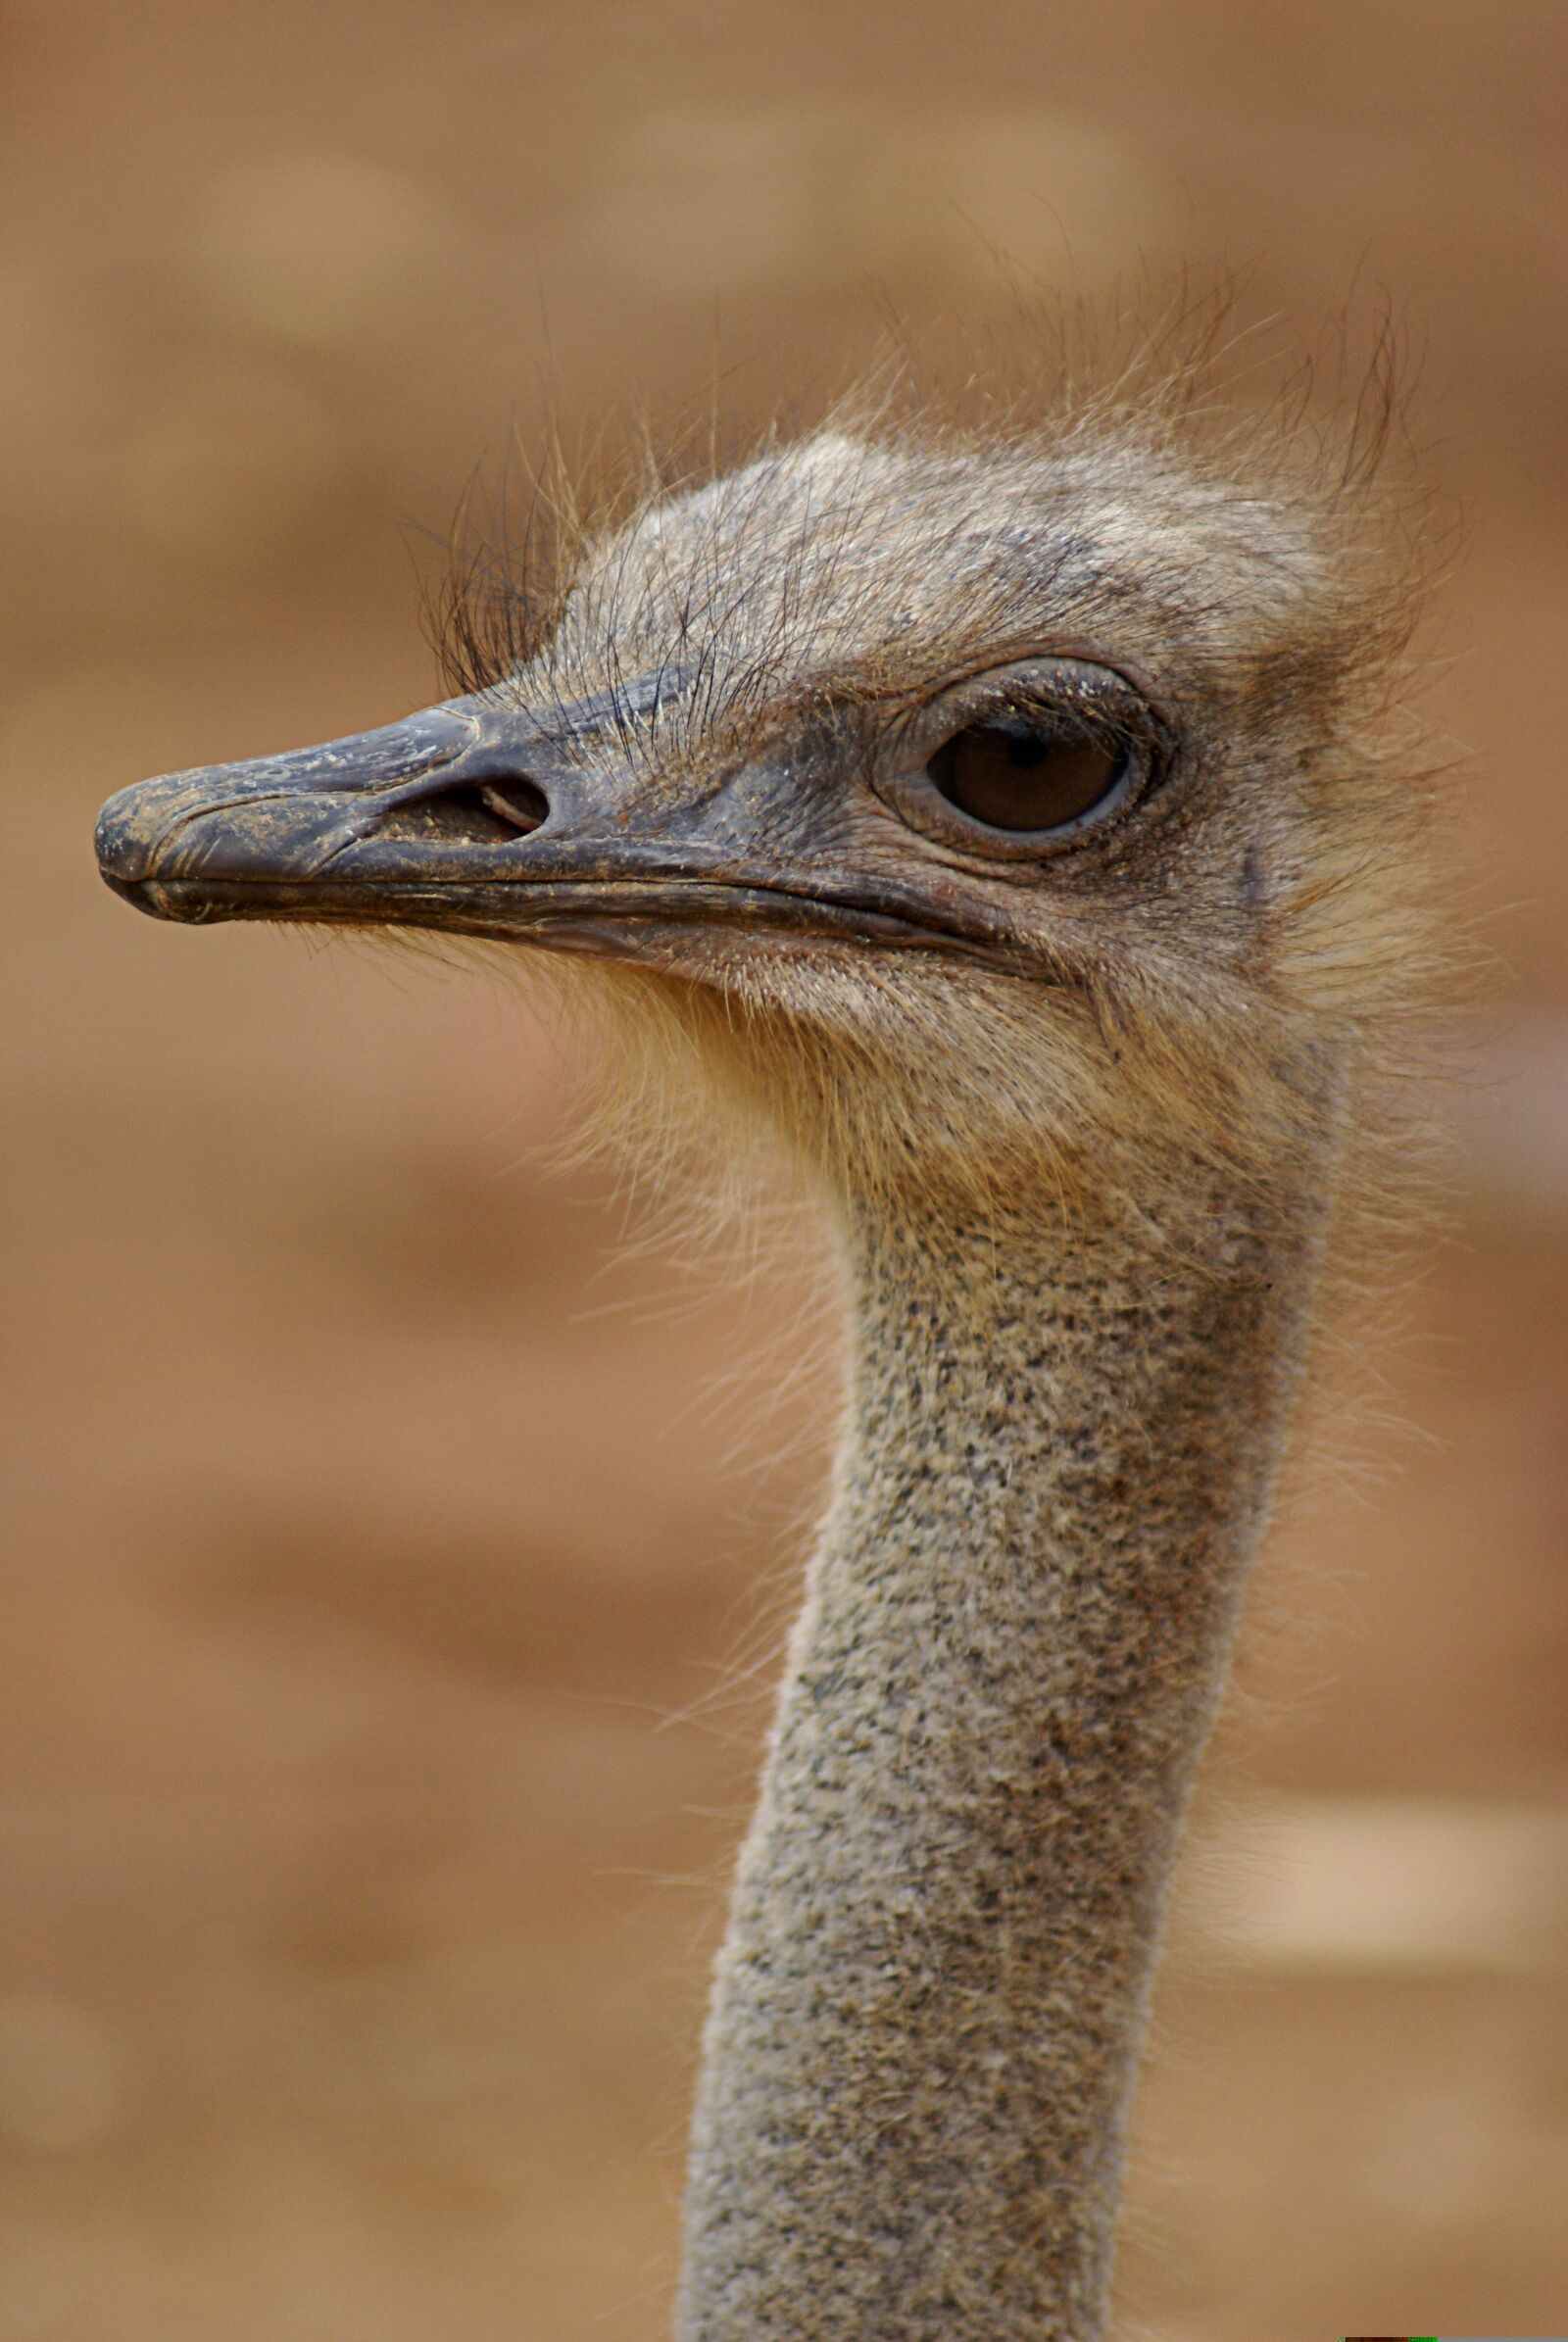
{"x":1018,"y":762}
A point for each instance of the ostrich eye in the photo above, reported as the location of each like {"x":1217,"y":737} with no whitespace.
{"x":1009,"y":775}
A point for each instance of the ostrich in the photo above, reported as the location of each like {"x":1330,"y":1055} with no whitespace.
{"x":1009,"y":819}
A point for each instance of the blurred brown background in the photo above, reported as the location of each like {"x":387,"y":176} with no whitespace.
{"x":397,"y":1529}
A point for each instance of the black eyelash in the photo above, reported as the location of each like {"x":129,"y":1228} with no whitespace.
{"x":498,"y":602}
{"x":1117,"y":719}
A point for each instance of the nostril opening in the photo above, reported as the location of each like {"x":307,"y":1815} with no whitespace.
{"x":523,"y":803}
{"x":465,"y":813}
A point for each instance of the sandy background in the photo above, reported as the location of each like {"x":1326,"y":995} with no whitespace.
{"x":396,"y":1527}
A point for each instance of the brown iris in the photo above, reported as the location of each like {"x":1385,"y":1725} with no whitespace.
{"x":1011,"y":775}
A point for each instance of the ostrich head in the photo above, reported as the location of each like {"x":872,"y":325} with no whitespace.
{"x":964,"y":795}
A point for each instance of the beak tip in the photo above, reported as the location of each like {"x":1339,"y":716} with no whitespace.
{"x":129,"y":838}
{"x":124,"y":838}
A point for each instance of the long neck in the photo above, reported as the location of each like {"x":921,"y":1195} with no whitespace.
{"x":927,"y":2014}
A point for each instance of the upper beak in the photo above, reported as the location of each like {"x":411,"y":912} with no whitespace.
{"x":472,"y":817}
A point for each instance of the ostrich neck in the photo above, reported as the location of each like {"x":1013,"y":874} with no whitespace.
{"x":927,"y":2012}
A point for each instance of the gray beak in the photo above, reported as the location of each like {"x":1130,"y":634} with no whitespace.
{"x":474,"y":817}
{"x":486,"y":819}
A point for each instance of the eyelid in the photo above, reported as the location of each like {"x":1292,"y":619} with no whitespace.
{"x":1041,"y":686}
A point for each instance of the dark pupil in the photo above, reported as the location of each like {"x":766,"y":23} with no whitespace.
{"x":1013,"y":777}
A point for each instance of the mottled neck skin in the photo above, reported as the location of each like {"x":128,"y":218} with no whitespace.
{"x":929,"y":2008}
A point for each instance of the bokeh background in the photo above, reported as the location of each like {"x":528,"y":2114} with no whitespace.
{"x":398,"y":1527}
